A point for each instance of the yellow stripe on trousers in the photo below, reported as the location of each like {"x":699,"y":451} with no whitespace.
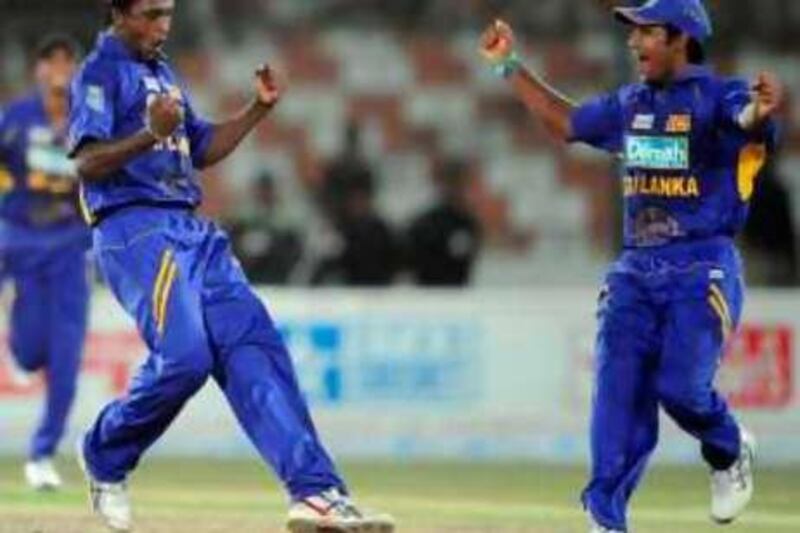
{"x":161,"y":278}
{"x":162,"y":305}
{"x":720,"y":306}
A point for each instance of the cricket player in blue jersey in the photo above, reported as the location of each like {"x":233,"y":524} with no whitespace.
{"x":43,"y":247}
{"x":137,"y":141}
{"x":691,"y":144}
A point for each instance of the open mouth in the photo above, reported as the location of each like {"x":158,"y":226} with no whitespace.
{"x":642,"y":61}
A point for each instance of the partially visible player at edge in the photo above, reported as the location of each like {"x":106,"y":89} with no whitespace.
{"x":691,"y":143}
{"x":43,"y":245}
{"x":137,"y":142}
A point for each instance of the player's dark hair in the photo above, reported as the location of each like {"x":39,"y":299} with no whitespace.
{"x":695,"y":52}
{"x":116,"y":5}
{"x":57,"y":42}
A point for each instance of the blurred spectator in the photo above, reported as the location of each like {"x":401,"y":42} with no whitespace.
{"x":769,"y":239}
{"x":235,"y":17}
{"x":367,"y":252}
{"x":346,"y":174}
{"x":403,"y":14}
{"x":266,"y":243}
{"x":444,"y":241}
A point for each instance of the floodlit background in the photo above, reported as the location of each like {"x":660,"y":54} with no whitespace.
{"x":462,"y":406}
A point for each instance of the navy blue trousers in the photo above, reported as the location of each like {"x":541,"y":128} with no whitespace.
{"x":664,"y":316}
{"x":48,"y":317}
{"x":174,"y":273}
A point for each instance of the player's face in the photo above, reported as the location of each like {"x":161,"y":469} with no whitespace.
{"x":55,"y":72}
{"x":146,"y":25}
{"x":657,"y":57}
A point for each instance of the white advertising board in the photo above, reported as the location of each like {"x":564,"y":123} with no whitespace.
{"x":495,"y":374}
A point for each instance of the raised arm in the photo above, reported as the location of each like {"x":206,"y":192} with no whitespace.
{"x":542,"y":100}
{"x":766,"y":99}
{"x":227,"y":135}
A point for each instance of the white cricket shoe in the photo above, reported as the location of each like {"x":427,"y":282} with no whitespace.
{"x":597,"y":528}
{"x":41,"y":475}
{"x":732,"y":489}
{"x":333,"y":512}
{"x":108,"y":500}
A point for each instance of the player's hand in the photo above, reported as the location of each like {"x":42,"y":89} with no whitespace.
{"x":269,"y":87}
{"x":767,"y":95}
{"x":164,"y":115}
{"x":497,"y":42}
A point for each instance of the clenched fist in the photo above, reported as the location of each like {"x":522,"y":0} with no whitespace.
{"x":767,"y":94}
{"x":268,"y":86}
{"x":766,"y":98}
{"x":164,"y":115}
{"x":497,"y":42}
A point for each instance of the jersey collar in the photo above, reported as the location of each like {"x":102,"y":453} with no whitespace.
{"x":688,"y":74}
{"x":693,"y":72}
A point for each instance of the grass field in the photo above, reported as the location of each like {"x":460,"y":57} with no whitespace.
{"x":176,"y":496}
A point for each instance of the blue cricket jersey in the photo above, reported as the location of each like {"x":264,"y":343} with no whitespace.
{"x":109,"y":102}
{"x":38,"y":185}
{"x":689,"y":168}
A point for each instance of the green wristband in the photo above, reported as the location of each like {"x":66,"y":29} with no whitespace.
{"x":508,"y":66}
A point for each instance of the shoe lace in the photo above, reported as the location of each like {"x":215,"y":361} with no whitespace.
{"x":46,"y":465}
{"x":113,"y":490}
{"x":737,"y":475}
{"x":341,"y":504}
{"x":740,"y":474}
{"x":597,"y":528}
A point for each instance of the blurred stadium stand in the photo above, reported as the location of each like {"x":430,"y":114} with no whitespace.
{"x":407,"y":74}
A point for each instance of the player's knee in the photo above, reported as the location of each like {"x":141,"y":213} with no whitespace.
{"x":195,"y":375}
{"x":187,"y":380}
{"x":189,"y":368}
{"x":27,"y":359}
{"x":252,"y":327}
{"x":682,"y":398}
{"x":28,"y":365}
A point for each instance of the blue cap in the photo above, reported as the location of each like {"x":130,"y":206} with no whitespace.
{"x":689,"y":16}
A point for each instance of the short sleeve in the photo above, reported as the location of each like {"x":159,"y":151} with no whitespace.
{"x":200,"y":133}
{"x":734,"y":97}
{"x":91,"y":116}
{"x":598,"y":122}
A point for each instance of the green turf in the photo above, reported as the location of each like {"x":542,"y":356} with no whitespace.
{"x":175,"y":496}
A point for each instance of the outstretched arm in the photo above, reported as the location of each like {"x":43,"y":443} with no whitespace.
{"x":227,"y":135}
{"x":542,"y":100}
